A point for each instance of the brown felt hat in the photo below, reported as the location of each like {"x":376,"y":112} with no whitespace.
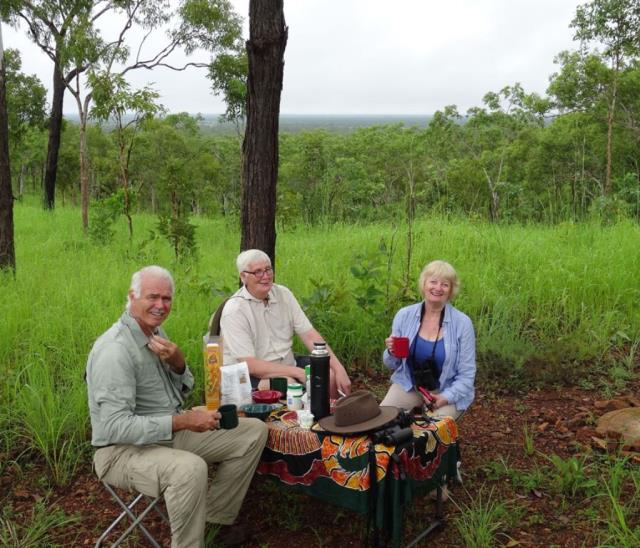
{"x":358,"y":412}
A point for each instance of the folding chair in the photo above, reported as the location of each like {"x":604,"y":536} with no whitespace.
{"x":135,"y":518}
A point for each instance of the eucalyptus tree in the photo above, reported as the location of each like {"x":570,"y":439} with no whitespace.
{"x":491,"y":130}
{"x":128,"y":108}
{"x":614,"y":24}
{"x":228,"y":75}
{"x":49,"y":25}
{"x":630,"y":104}
{"x":443,"y":144}
{"x":578,"y":91}
{"x":7,"y":249}
{"x":208,"y":25}
{"x":26,"y":107}
{"x":265,"y":52}
{"x":26,"y":100}
{"x":178,"y":179}
{"x":68,"y":32}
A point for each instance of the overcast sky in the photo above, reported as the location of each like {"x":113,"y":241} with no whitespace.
{"x":382,"y":57}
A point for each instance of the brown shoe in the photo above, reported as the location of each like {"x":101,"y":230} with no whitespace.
{"x":235,"y":534}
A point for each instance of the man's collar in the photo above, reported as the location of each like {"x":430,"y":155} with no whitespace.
{"x":245,"y":294}
{"x":138,"y":335}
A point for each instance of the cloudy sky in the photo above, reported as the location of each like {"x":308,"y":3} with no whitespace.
{"x":381,"y":57}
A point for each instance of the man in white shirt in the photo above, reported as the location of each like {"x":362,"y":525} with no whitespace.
{"x":258,"y":323}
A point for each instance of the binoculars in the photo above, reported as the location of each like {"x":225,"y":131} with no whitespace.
{"x":424,"y":374}
{"x":397,"y":432}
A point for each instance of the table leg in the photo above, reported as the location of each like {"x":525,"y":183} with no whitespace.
{"x":436,"y":524}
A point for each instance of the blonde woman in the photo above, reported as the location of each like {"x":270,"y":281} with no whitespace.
{"x":441,"y":355}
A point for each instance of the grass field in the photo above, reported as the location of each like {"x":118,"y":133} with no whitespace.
{"x":547,"y":303}
{"x":551,"y":306}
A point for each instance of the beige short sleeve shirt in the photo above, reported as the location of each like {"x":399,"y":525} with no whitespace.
{"x":252,"y":329}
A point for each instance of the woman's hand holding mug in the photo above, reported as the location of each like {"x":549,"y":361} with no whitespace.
{"x":398,"y":346}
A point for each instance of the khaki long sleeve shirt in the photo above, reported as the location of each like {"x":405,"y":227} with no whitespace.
{"x":133,"y":394}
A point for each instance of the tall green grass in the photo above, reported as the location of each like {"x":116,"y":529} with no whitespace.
{"x":561,"y":296}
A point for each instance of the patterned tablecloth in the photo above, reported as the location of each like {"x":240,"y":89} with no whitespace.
{"x":335,"y":468}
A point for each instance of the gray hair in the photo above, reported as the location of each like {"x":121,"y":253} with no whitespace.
{"x":153,"y":271}
{"x":250,"y":256}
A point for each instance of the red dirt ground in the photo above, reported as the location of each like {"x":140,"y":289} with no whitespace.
{"x":562,"y":422}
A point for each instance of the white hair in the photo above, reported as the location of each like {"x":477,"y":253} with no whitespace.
{"x":153,"y":271}
{"x":250,"y":256}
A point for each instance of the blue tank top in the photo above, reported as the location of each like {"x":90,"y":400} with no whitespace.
{"x":424,"y":350}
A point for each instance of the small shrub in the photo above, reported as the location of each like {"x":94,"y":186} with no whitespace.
{"x":481,"y":520}
{"x":570,"y":477}
{"x":104,"y":214}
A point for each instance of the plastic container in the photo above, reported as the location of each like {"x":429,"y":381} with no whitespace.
{"x":294,"y":396}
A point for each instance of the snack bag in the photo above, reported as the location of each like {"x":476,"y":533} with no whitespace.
{"x":235,"y":386}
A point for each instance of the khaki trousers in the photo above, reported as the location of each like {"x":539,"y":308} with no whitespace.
{"x":178,"y":469}
{"x":397,"y":397}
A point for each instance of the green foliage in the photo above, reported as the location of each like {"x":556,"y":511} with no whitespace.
{"x":621,"y":495}
{"x":612,"y":23}
{"x":500,"y":470}
{"x":26,"y":99}
{"x":33,"y":531}
{"x":517,"y":157}
{"x":54,"y":420}
{"x":565,"y":296}
{"x":571,"y":477}
{"x":367,"y":271}
{"x":325,"y":303}
{"x":228,"y":75}
{"x":104,"y":214}
{"x":208,"y":24}
{"x":481,"y":521}
{"x":181,"y":235}
{"x":113,"y":97}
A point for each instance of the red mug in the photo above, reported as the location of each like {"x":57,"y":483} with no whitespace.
{"x":400,"y":347}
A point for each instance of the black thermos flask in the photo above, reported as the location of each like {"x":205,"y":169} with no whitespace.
{"x":319,"y":380}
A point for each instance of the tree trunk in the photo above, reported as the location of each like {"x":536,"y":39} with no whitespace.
{"x":411,"y":216}
{"x":610,"y":117}
{"x":84,"y":167}
{"x":23,"y":176}
{"x":124,"y":177}
{"x":494,"y":197}
{"x":55,"y":130}
{"x":265,"y":52}
{"x":7,"y":249}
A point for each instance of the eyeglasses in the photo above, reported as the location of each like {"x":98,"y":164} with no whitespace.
{"x":259,"y":274}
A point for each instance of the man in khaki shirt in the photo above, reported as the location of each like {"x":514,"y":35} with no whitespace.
{"x":137,"y":381}
{"x":259,"y":321}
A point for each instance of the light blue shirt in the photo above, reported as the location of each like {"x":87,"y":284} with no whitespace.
{"x":459,"y":368}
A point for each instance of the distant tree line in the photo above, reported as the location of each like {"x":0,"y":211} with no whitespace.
{"x":513,"y":159}
{"x":521,"y":157}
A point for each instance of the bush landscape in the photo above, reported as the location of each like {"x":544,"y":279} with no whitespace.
{"x":534,"y":198}
{"x":553,"y":307}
